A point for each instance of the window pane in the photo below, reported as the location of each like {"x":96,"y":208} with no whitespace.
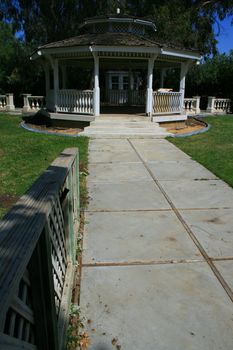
{"x":115,"y":83}
{"x":125,"y":83}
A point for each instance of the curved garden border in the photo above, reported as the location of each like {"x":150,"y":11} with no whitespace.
{"x":206,"y":128}
{"x":26,"y":127}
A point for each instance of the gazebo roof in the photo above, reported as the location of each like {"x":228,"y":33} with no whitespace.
{"x":116,"y":33}
{"x":109,"y":39}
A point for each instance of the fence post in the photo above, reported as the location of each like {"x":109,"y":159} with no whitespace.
{"x":210,"y":107}
{"x":197,"y":107}
{"x":10,"y":102}
{"x":26,"y":105}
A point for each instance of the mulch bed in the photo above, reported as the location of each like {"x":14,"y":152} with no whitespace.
{"x":185,"y":127}
{"x":55,"y":129}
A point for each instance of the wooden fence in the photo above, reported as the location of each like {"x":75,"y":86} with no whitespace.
{"x":37,"y":252}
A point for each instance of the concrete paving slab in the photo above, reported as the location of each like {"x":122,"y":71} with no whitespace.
{"x":226,"y":270}
{"x":109,"y":145}
{"x":162,"y":155}
{"x":199,"y":194}
{"x":214,"y":230}
{"x":117,"y":172}
{"x":136,"y":236}
{"x":118,"y":156}
{"x":185,"y":169}
{"x":162,"y":307}
{"x":150,"y":143}
{"x":126,"y":196}
{"x":153,"y":144}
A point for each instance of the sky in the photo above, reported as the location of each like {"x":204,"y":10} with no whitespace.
{"x":226,"y":36}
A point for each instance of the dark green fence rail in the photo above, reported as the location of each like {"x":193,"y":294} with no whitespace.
{"x":37,"y":259}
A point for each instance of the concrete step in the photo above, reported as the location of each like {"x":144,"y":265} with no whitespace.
{"x":108,"y":128}
{"x":124,"y":136}
{"x":124,"y":130}
{"x":124,"y":125}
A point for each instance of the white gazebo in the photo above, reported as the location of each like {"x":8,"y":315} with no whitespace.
{"x":121,"y":57}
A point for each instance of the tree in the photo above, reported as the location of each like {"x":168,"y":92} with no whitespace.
{"x":188,"y":23}
{"x":212,"y":78}
{"x":17,"y":73}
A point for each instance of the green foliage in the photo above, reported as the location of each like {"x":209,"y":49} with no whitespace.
{"x":184,"y":22}
{"x":17,"y":73}
{"x":24,"y":156}
{"x":213,"y":149}
{"x":212,"y":78}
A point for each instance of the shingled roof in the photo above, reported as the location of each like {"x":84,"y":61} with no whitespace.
{"x":109,"y":39}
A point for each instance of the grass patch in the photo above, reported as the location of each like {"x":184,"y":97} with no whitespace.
{"x":25,"y":155}
{"x":213,"y":149}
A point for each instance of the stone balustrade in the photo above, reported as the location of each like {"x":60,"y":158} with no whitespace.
{"x":33,"y":103}
{"x":75,"y":101}
{"x":218,"y":105}
{"x":192,"y":105}
{"x":7,"y":102}
{"x":166,"y":102}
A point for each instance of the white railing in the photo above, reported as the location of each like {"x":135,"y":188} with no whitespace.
{"x":137,"y":97}
{"x":192,"y":105}
{"x":33,"y":103}
{"x":36,"y":102}
{"x":75,"y":101}
{"x":126,"y":97}
{"x":7,"y":102}
{"x":218,"y":105}
{"x":117,"y":97}
{"x":167,"y":102}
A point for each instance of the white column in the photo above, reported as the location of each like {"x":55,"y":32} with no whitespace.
{"x":149,"y":93}
{"x":55,"y":83}
{"x":210,"y":106}
{"x":96,"y":86}
{"x":131,"y":86}
{"x":10,"y":102}
{"x":197,"y":107}
{"x":162,"y":76}
{"x":183,"y":72}
{"x":26,"y":105}
{"x":64,"y":77}
{"x":47,"y":80}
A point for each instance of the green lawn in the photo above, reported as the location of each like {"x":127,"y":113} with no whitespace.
{"x":214,"y":148}
{"x":25,"y":155}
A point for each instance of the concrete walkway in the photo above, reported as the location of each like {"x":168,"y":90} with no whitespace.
{"x":158,"y":250}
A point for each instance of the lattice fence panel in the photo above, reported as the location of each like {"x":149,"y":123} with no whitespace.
{"x":58,"y":250}
{"x":19,"y":322}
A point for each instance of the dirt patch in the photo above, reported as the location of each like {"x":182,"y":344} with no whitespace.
{"x":56,"y":129}
{"x":188,"y":126}
{"x":8,"y":200}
